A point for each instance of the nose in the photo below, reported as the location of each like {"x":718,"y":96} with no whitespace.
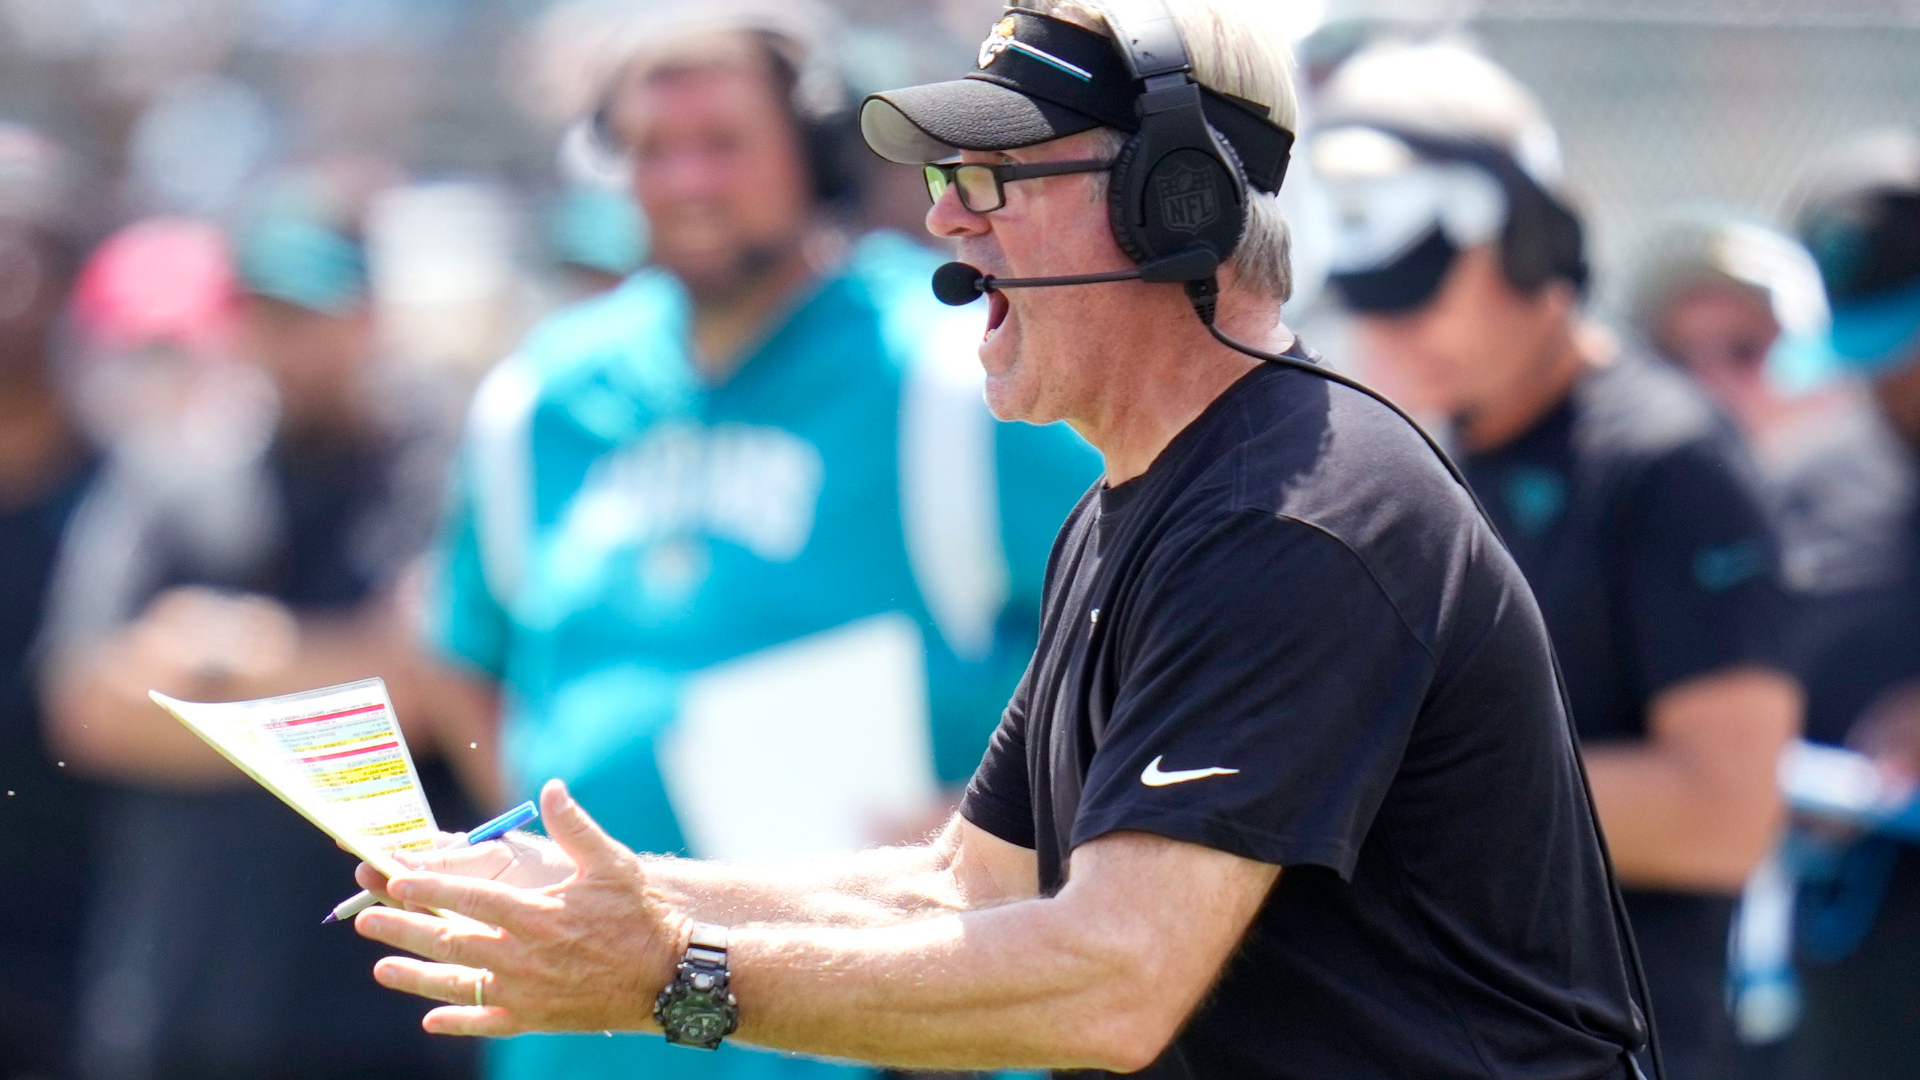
{"x":950,"y":220}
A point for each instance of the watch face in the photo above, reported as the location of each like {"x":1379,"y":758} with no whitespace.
{"x":689,"y":1015}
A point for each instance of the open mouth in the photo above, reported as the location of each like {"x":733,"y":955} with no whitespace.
{"x":997,"y":308}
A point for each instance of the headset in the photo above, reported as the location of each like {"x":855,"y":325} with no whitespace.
{"x":814,"y":89}
{"x":1177,"y":201}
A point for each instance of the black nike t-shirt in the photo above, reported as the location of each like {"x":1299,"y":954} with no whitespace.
{"x":1638,"y":519}
{"x":1293,"y":639}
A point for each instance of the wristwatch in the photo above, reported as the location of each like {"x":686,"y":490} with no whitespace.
{"x":695,"y":1009}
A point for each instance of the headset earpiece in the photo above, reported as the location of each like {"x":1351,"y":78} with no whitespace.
{"x":1177,"y":185}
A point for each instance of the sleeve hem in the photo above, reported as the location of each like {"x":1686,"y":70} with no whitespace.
{"x":1221,"y":834}
{"x":997,"y":818}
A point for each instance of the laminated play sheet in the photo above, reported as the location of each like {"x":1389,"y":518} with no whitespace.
{"x":335,"y":755}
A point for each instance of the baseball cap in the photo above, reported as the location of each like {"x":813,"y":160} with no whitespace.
{"x":1038,"y":78}
{"x":1859,"y":215}
{"x":289,"y":249}
{"x":163,"y":280}
{"x":1689,"y":250}
{"x":1411,"y":145}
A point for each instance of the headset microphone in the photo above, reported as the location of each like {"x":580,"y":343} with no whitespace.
{"x":958,"y":283}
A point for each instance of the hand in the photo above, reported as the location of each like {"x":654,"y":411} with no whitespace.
{"x":518,"y":859}
{"x":210,"y":635}
{"x":588,"y":953}
{"x":1889,"y":733}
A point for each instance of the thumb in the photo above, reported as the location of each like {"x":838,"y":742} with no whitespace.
{"x":581,"y":837}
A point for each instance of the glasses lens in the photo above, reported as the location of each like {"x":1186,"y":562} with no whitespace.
{"x":979,"y":188}
{"x":936,"y":181}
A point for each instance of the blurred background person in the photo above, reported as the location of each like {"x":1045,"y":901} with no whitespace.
{"x":252,"y":548}
{"x":1627,"y":501}
{"x":1713,"y":295}
{"x":738,"y":545}
{"x":1740,"y":308}
{"x":1859,"y":904}
{"x":45,"y":463}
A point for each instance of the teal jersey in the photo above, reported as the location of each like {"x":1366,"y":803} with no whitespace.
{"x":632,"y":552}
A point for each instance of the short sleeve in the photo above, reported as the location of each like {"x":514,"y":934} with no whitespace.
{"x":999,"y":798}
{"x":1702,"y":567}
{"x":1268,"y":690}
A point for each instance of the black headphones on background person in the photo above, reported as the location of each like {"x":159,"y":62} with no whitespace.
{"x":815,"y":90}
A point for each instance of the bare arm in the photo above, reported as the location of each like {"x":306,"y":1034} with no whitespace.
{"x":962,"y":867}
{"x":1090,"y":978}
{"x":1085,"y":978}
{"x":1697,"y":805}
{"x":203,"y":645}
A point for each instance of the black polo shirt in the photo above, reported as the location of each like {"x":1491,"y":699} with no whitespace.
{"x":1637,"y":517}
{"x":1292,"y":639}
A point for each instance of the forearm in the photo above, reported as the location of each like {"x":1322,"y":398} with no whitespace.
{"x":875,"y":887}
{"x":101,"y":722}
{"x":1021,"y":985}
{"x":1671,"y":824}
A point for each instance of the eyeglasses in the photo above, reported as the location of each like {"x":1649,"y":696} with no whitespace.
{"x":980,"y":185}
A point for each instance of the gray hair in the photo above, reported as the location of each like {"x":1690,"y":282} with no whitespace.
{"x":1237,"y":47}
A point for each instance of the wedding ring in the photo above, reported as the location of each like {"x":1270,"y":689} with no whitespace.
{"x":480,"y":990}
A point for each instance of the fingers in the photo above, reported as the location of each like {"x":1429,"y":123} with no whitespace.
{"x":373,"y":881}
{"x":467,"y":1020}
{"x":488,"y":901}
{"x":582,"y":838}
{"x":486,"y":860}
{"x":454,"y":985}
{"x":429,"y":936}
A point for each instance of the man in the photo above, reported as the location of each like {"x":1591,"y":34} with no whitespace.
{"x":45,"y":463}
{"x":745,"y":508}
{"x":262,"y":554}
{"x":1713,"y":295}
{"x":1625,"y":499}
{"x":1859,"y":214}
{"x":1287,"y":790}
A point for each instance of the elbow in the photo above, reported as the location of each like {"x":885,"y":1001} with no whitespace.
{"x":1133,"y":1007}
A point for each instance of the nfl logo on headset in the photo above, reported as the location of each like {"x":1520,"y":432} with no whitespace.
{"x":1187,"y":201}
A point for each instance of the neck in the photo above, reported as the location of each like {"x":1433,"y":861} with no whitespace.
{"x":1178,"y":370}
{"x":1543,"y":386}
{"x":37,"y":440}
{"x":725,"y":328}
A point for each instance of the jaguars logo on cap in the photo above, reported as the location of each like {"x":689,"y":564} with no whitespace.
{"x":997,"y":41}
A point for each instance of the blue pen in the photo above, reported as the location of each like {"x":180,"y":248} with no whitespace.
{"x":492,"y":830}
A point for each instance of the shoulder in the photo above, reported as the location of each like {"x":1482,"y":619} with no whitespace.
{"x":1640,"y":418}
{"x":1336,"y":458}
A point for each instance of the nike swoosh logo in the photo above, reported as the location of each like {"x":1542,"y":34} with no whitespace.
{"x":1153,"y":776}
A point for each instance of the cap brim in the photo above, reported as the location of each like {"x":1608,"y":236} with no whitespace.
{"x":919,"y":124}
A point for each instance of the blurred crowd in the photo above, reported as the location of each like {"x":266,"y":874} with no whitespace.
{"x":646,"y":459}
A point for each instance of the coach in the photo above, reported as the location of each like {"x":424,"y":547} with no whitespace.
{"x":1287,"y":790}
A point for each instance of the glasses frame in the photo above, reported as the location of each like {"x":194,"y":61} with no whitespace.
{"x":946,"y":174}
